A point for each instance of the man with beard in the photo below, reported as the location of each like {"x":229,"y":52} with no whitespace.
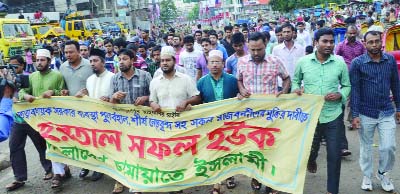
{"x":177,"y":47}
{"x":172,"y":89}
{"x":323,"y":73}
{"x":84,"y":50}
{"x":42,"y":83}
{"x":289,"y":51}
{"x":349,"y":49}
{"x":258,"y":73}
{"x":97,"y":86}
{"x":373,"y":76}
{"x":75,"y":72}
{"x":189,"y":56}
{"x":155,"y":57}
{"x":129,"y":86}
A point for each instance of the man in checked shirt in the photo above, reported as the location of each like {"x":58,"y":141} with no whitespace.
{"x":257,"y":74}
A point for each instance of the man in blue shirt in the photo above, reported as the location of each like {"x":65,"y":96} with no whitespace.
{"x":212,"y":34}
{"x":217,"y":85}
{"x":373,"y":76}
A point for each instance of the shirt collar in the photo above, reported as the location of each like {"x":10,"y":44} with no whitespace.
{"x":135,"y":74}
{"x":369,"y":59}
{"x":348,"y":43}
{"x":176,"y":74}
{"x":79,"y":65}
{"x":331,"y":58}
{"x":103,"y":74}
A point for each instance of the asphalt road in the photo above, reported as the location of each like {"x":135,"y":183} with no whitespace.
{"x":351,"y":176}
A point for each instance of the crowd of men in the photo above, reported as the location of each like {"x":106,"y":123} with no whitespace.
{"x":208,"y":66}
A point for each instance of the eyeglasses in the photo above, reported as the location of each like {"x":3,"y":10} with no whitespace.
{"x":215,"y":62}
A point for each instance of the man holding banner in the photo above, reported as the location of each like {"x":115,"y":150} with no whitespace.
{"x":129,"y":86}
{"x":322,"y":73}
{"x":43,"y":83}
{"x":218,"y":85}
{"x":173,"y":89}
{"x":97,"y":86}
{"x":254,"y":76}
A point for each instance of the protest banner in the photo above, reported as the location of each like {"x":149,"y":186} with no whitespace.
{"x":263,"y":137}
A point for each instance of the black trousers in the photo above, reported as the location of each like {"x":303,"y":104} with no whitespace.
{"x":17,"y":143}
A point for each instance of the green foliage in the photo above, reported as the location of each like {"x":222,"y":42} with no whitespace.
{"x":289,"y":5}
{"x":168,"y":11}
{"x":194,"y":13}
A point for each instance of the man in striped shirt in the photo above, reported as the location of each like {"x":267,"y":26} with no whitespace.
{"x":373,"y":76}
{"x":257,"y":74}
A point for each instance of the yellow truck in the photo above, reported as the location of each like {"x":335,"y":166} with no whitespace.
{"x":81,"y":29}
{"x":15,"y":36}
{"x":46,"y":31}
{"x":123,"y":27}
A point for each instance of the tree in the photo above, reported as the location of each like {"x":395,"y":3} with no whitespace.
{"x":168,"y":11}
{"x":194,"y":13}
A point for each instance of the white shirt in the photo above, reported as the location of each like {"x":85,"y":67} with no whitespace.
{"x":188,"y":61}
{"x":289,"y":57}
{"x":99,"y":86}
{"x":169,"y":93}
{"x":197,"y":47}
{"x":178,"y":68}
{"x":305,"y":36}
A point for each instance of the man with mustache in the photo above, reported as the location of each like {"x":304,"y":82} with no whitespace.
{"x":373,"y":76}
{"x":43,"y":83}
{"x":322,"y":73}
{"x":349,"y":49}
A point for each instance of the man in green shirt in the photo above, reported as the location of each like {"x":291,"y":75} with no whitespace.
{"x":324,"y":74}
{"x":42,"y":83}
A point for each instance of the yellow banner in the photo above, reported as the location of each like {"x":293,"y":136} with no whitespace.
{"x":263,"y":137}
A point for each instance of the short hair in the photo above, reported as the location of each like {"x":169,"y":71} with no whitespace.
{"x":143,"y":46}
{"x":288,"y":25}
{"x":238,"y":38}
{"x":322,"y":32}
{"x":146,"y":31}
{"x":19,"y":58}
{"x":120,"y":42}
{"x":132,"y":46}
{"x":321,"y":23}
{"x":127,"y":52}
{"x":73,"y":42}
{"x":257,"y":36}
{"x":197,"y":32}
{"x":351,"y":26}
{"x":108,"y":40}
{"x":267,"y":35}
{"x":237,"y":25}
{"x":49,"y":48}
{"x":177,"y":35}
{"x":245,"y":29}
{"x":188,"y":39}
{"x":374,"y":33}
{"x":278,"y":30}
{"x":226,"y":28}
{"x":151,"y":44}
{"x":309,"y":49}
{"x":155,"y":48}
{"x":300,"y":23}
{"x":206,"y":40}
{"x":221,"y":32}
{"x":199,"y":26}
{"x":205,"y":31}
{"x":212,"y":33}
{"x":260,"y":20}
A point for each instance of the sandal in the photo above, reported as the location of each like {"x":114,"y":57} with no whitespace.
{"x":118,"y":188}
{"x":15,"y":185}
{"x":312,"y":167}
{"x":230,"y":183}
{"x":48,"y":176}
{"x":56,"y":182}
{"x":67,"y":174}
{"x":255,"y":185}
